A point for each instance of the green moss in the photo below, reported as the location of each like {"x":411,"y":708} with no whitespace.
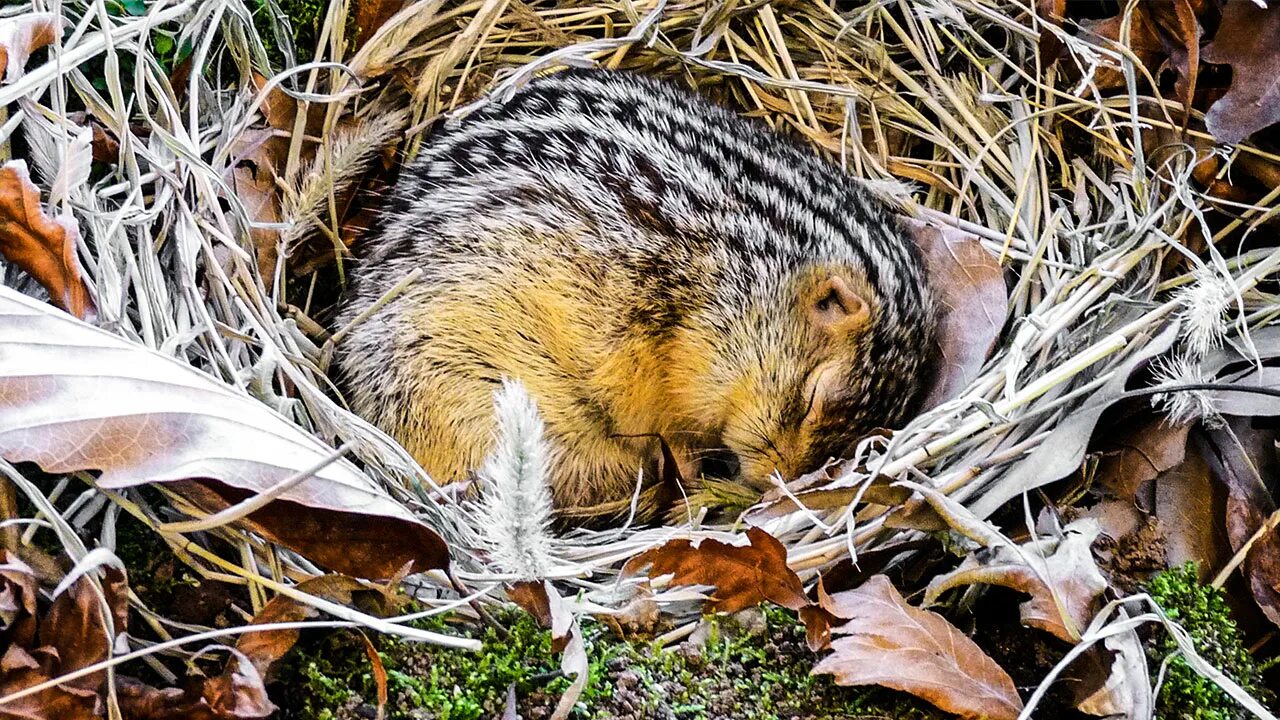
{"x":1202,"y":611}
{"x":305,"y":19}
{"x":734,"y":675}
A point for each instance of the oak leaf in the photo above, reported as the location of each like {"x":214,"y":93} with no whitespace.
{"x":44,"y":247}
{"x":742,"y":575}
{"x":73,"y":397}
{"x":885,"y":641}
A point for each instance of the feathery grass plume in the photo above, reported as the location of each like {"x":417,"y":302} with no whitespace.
{"x":1184,"y":406}
{"x":335,"y":169}
{"x":516,"y":501}
{"x":1204,"y":306}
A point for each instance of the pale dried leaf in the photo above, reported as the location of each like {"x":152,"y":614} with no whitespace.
{"x":73,"y":397}
{"x":1060,"y":576}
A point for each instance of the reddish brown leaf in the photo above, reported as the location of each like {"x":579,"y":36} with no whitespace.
{"x":235,"y":694}
{"x":971,"y":299}
{"x":887,"y":642}
{"x":1246,"y":40}
{"x":44,"y":247}
{"x":1190,"y":506}
{"x":141,"y":417}
{"x":20,"y":36}
{"x":379,"y":673}
{"x":743,"y":575}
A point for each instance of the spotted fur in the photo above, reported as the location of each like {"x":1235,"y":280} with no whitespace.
{"x":646,"y":263}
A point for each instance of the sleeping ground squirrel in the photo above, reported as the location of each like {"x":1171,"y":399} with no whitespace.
{"x":649,"y":265}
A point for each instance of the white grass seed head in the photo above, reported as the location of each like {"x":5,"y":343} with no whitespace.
{"x":515,"y":496}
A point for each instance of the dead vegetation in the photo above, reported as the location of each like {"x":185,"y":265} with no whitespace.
{"x":197,"y":204}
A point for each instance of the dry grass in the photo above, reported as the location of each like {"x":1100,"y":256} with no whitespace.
{"x":1066,"y":185}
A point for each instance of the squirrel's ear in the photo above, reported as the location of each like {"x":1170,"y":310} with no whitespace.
{"x":835,"y":307}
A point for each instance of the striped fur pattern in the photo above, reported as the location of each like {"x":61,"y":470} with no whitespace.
{"x":646,"y":263}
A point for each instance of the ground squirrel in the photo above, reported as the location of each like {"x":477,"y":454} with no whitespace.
{"x":647,"y":264}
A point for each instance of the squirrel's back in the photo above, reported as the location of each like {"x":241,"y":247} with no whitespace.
{"x":647,"y":263}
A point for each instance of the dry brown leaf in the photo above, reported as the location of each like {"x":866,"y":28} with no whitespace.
{"x":17,"y":591}
{"x":1246,"y":40}
{"x":1060,"y":575}
{"x":22,"y":35}
{"x":44,"y":247}
{"x":742,"y":575}
{"x":71,"y":636}
{"x":1191,"y":507}
{"x":264,"y":648}
{"x":1240,"y":456}
{"x":1138,"y":453}
{"x":372,"y":15}
{"x":73,"y":397}
{"x":969,"y":289}
{"x":235,"y":694}
{"x":887,"y":642}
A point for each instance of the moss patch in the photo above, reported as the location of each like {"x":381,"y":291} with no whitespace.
{"x":1202,"y":611}
{"x":734,"y":674}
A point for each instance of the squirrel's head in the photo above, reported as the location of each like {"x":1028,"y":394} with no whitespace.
{"x":794,"y":379}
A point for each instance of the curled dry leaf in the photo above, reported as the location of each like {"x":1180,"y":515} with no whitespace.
{"x":742,"y":575}
{"x":540,"y":599}
{"x":1239,"y":456}
{"x":1246,"y":40}
{"x":73,"y":397}
{"x":885,"y":641}
{"x":1059,"y":574}
{"x":71,"y":635}
{"x":237,"y":693}
{"x":1127,"y":689}
{"x":972,"y":301}
{"x":22,"y":35}
{"x":44,"y":247}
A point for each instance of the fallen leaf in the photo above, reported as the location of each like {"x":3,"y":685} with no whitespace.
{"x":22,"y":35}
{"x":17,"y":591}
{"x":265,"y":648}
{"x":44,"y":247}
{"x":1127,"y":690}
{"x":72,"y":635}
{"x":1190,"y":506}
{"x":540,"y":599}
{"x":371,"y":15}
{"x":969,"y":290}
{"x":235,"y":694}
{"x":1139,"y":452}
{"x":73,"y":397}
{"x":1059,"y":574}
{"x":1246,"y":40}
{"x":887,"y":642}
{"x":742,"y":575}
{"x":1240,"y":456}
